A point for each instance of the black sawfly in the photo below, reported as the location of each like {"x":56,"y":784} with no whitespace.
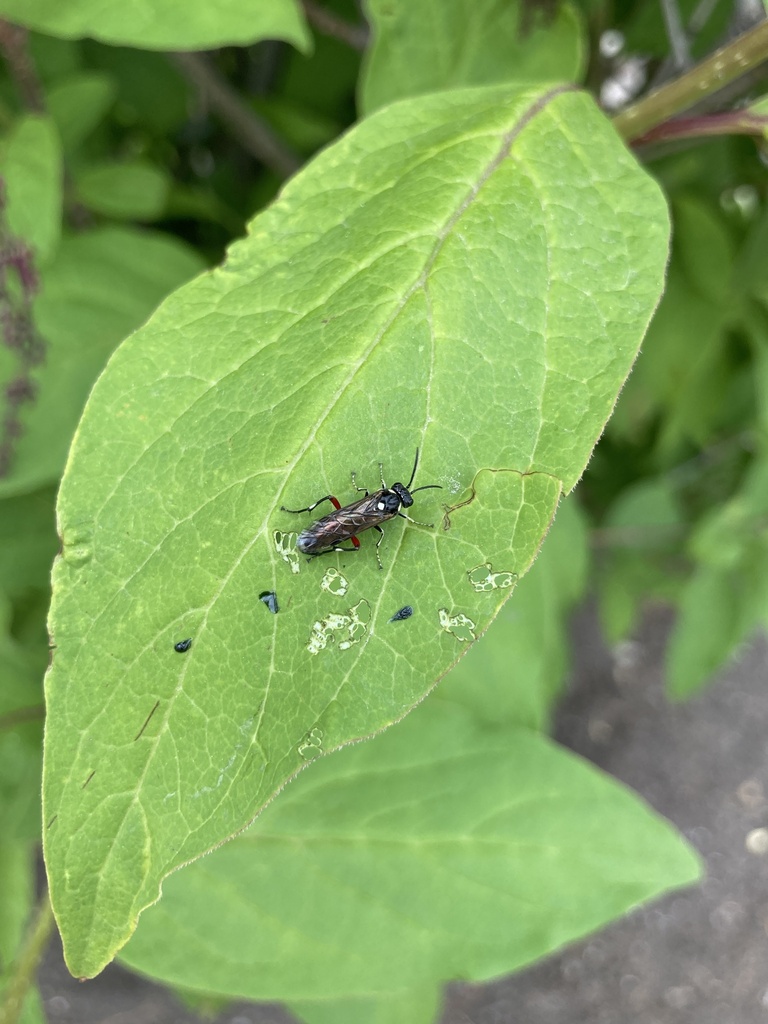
{"x":345,"y":523}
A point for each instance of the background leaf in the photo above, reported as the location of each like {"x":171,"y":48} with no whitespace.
{"x":428,"y":281}
{"x":163,"y":24}
{"x":32,"y":169}
{"x":514,"y":672}
{"x":416,"y":1006}
{"x":129,"y":190}
{"x":501,"y":846}
{"x":447,"y":44}
{"x":102,"y":285}
{"x":78,"y":104}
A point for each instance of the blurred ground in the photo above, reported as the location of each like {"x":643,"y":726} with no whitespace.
{"x":700,"y":955}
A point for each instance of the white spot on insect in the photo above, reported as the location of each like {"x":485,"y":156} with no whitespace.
{"x":334,"y":583}
{"x":379,"y":506}
{"x":484,"y":579}
{"x":346,"y":630}
{"x":311,"y":745}
{"x":285,"y":545}
{"x":460,"y":625}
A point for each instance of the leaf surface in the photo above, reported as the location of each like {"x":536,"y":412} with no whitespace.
{"x":442,"y":850}
{"x":446,"y":44}
{"x":460,"y":274}
{"x":164,"y":24}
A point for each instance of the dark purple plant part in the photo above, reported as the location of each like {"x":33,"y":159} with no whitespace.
{"x":18,"y":285}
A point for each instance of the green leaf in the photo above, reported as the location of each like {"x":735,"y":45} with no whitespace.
{"x":512,"y":675}
{"x":164,"y":24}
{"x":132,"y":191}
{"x":727,"y":596}
{"x":416,"y":1006}
{"x":447,"y":44}
{"x":17,"y":879}
{"x":428,"y":281}
{"x":78,"y":104}
{"x":687,"y":359}
{"x":32,"y":168}
{"x":28,"y":540}
{"x":706,"y":632}
{"x":719,"y":608}
{"x":21,"y":720}
{"x":152,"y":97}
{"x":640,"y":535}
{"x":102,"y":285}
{"x":17,"y":871}
{"x":486,"y":849}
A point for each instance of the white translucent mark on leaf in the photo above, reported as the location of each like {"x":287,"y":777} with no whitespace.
{"x":334,"y":583}
{"x":285,"y":545}
{"x":204,"y":790}
{"x":454,"y":485}
{"x":346,"y":630}
{"x":311,"y":745}
{"x":484,"y":579}
{"x":461,"y":626}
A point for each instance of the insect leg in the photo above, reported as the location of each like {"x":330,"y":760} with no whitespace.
{"x":378,"y":544}
{"x":354,"y":484}
{"x":328,"y":497}
{"x":329,"y":551}
{"x":416,"y":521}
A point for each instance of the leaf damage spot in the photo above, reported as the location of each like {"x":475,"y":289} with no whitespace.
{"x":334,"y":583}
{"x":285,"y":545}
{"x":269,"y":598}
{"x":404,"y":613}
{"x":311,"y":745}
{"x":483,"y":579}
{"x":460,"y":625}
{"x":346,"y":630}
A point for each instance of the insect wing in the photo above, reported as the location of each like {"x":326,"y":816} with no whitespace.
{"x":342,"y":525}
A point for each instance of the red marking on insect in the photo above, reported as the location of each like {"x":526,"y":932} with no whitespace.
{"x":329,"y":533}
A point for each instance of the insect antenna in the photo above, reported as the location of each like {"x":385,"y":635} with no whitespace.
{"x":426,"y":487}
{"x":413,"y":474}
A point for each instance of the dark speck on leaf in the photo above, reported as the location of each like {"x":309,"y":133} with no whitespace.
{"x":404,"y":613}
{"x":269,"y":597}
{"x":182,"y":646}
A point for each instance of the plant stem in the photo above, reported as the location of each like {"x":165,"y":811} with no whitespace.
{"x":13,"y":46}
{"x":324,"y":20}
{"x":21,"y":974}
{"x":253,"y":132}
{"x":722,"y":67}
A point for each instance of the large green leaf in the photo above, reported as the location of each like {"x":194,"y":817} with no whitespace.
{"x":414,"y":1006}
{"x":164,"y":24}
{"x":442,"y":850}
{"x":460,"y":273}
{"x":446,"y":44}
